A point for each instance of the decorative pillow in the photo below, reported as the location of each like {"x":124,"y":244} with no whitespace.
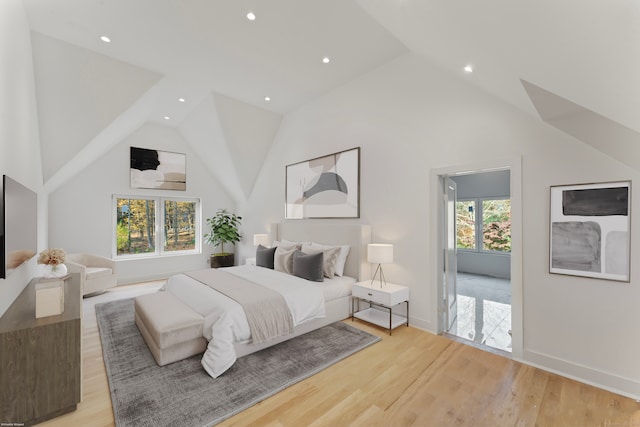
{"x":308,"y":266}
{"x":264,"y":256}
{"x":330,"y":258}
{"x":342,"y":257}
{"x":285,"y":244}
{"x":283,"y":259}
{"x":289,"y":242}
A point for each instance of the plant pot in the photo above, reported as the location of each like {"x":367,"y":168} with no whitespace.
{"x":222,"y":260}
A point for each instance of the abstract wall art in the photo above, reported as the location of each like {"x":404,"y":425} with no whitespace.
{"x":158,"y":169}
{"x":590,"y":230}
{"x":324,"y":187}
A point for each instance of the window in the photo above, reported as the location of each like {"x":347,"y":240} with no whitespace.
{"x":139,"y":220}
{"x":179,"y":225}
{"x":492,"y":233}
{"x":466,"y":224}
{"x":496,"y":225}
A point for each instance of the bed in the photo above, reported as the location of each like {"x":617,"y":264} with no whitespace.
{"x":313,"y":304}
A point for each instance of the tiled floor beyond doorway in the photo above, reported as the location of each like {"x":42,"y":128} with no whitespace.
{"x":484,"y":310}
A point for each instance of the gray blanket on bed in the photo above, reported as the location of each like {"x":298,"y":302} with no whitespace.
{"x":267,"y":312}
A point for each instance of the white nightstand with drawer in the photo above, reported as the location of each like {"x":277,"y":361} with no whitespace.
{"x":386,"y":296}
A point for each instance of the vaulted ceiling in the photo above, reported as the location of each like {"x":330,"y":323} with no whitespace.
{"x":564,"y":62}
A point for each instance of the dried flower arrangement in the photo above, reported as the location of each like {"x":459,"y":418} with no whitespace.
{"x":52,"y":257}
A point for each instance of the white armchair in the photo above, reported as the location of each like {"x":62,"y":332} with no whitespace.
{"x":97,"y":273}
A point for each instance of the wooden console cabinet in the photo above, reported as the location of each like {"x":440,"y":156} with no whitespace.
{"x":40,"y":359}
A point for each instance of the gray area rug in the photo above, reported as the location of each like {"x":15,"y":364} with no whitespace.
{"x":182,"y":394}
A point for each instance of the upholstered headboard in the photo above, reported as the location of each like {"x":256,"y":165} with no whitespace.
{"x":355,"y":235}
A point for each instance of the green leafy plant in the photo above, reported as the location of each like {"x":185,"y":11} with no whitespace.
{"x":122,"y":238}
{"x":223,"y":228}
{"x":497,"y":236}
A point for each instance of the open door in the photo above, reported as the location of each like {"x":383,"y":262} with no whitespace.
{"x":450,"y":256}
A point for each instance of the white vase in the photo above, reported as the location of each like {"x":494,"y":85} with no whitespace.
{"x":59,"y":270}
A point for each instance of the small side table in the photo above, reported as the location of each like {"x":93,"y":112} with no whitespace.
{"x":388,"y":296}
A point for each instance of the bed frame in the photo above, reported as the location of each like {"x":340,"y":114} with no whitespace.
{"x":328,"y":233}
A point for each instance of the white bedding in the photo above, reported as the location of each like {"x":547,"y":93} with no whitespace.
{"x":224,"y":319}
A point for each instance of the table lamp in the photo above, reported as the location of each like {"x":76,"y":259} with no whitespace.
{"x":379,"y":253}
{"x":261,"y":239}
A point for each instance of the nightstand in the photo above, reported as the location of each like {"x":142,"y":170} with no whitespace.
{"x":250,"y":261}
{"x":386,"y":297}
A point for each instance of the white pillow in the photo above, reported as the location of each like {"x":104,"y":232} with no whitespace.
{"x":286,"y":244}
{"x":342,"y":256}
{"x":290,"y":242}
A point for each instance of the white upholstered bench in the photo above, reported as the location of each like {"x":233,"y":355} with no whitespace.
{"x":170,"y":328}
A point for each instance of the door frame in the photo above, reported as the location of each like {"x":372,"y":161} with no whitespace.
{"x":450,"y":259}
{"x":436,"y":229}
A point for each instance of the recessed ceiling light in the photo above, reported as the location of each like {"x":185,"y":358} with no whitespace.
{"x":167,"y":117}
{"x":468,"y":69}
{"x":326,"y":60}
{"x":266,"y":98}
{"x":251,"y":16}
{"x":105,"y":39}
{"x":181,"y":99}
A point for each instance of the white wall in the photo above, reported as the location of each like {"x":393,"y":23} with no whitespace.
{"x":409,"y":117}
{"x":19,"y":140}
{"x":81,"y":215}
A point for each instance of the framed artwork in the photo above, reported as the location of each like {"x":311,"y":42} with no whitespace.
{"x":590,"y":230}
{"x":324,"y":187}
{"x":158,"y":169}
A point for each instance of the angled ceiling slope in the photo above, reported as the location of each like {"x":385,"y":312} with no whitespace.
{"x":79,"y":94}
{"x":603,"y":134}
{"x":211,"y":45}
{"x":249,"y":132}
{"x":232,"y":139}
{"x":583,"y":50}
{"x":202,"y":129}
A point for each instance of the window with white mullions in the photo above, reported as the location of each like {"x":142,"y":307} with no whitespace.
{"x":148,"y":226}
{"x":179,"y":225}
{"x":484,"y":225}
{"x":466,"y":224}
{"x":496,"y":225}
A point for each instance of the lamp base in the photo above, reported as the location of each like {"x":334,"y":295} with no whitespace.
{"x":382,"y":278}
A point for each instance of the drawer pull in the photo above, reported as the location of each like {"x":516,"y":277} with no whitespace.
{"x":370,"y":294}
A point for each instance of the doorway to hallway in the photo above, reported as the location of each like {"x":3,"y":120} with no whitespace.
{"x":477,"y":261}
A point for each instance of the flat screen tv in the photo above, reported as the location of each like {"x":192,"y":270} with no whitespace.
{"x":18,"y":234}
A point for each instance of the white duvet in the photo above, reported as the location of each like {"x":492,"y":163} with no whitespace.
{"x":224,"y":319}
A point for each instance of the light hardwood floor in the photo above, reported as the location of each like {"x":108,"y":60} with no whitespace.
{"x":412,"y":378}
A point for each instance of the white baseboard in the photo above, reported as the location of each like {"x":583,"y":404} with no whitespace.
{"x":604,"y":380}
{"x":421,"y":324}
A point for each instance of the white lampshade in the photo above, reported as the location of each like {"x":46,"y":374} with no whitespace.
{"x":261,"y":239}
{"x":379,"y":253}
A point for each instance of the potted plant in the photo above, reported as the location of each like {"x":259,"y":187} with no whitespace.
{"x":223,"y":228}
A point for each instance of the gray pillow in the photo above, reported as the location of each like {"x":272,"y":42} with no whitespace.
{"x":308,"y":266}
{"x":264,"y":256}
{"x":330,"y":258}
